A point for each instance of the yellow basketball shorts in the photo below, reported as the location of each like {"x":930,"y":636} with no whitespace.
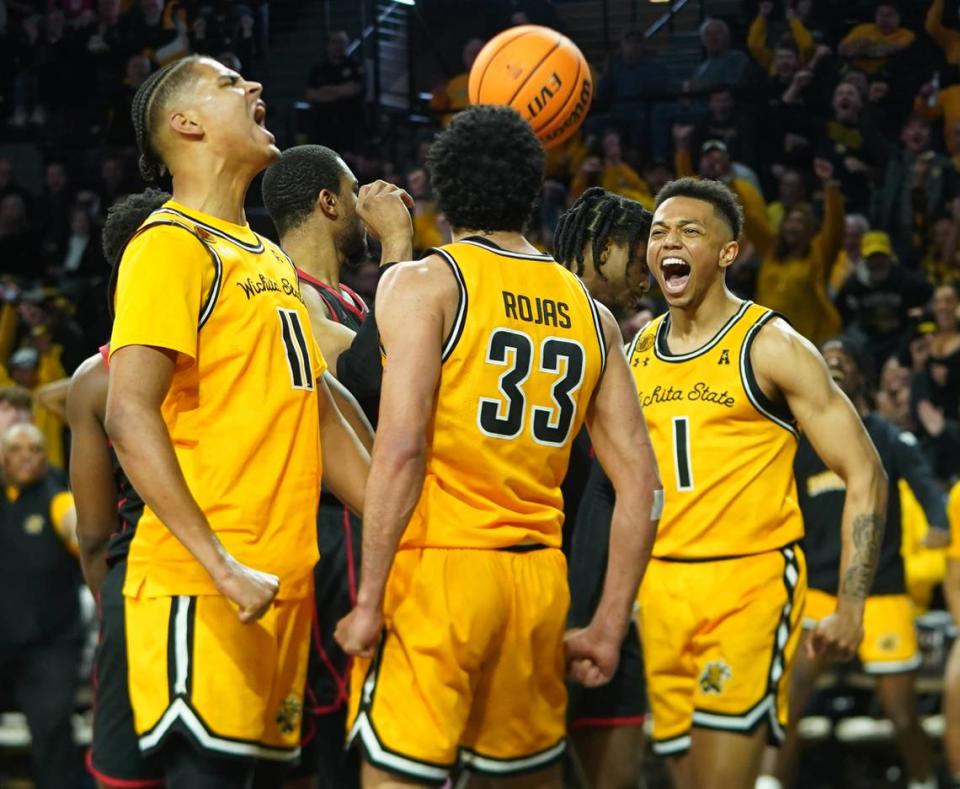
{"x":889,"y":643}
{"x":470,"y":666}
{"x":233,"y":689}
{"x":718,"y":639}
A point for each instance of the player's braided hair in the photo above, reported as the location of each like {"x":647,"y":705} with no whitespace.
{"x":598,"y":216}
{"x":147,"y":103}
{"x":123,"y":219}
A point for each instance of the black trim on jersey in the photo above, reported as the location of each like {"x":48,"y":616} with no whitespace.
{"x":191,"y":630}
{"x":255,"y":249}
{"x":663,"y":353}
{"x":529,"y":547}
{"x":700,"y":559}
{"x":597,"y":325}
{"x":460,"y":319}
{"x":207,"y":309}
{"x":172,"y":650}
{"x":775,"y":412}
{"x":486,"y":243}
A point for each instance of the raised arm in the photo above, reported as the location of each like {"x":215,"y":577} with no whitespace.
{"x":619,"y":435}
{"x":414,"y":305}
{"x":830,"y":238}
{"x":91,"y":469}
{"x":790,"y":367}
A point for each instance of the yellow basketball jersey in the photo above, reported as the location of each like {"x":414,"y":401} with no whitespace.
{"x":519,"y":369}
{"x":242,"y":406}
{"x":725,"y":451}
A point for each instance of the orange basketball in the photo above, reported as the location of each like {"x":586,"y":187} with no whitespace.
{"x":541,"y":74}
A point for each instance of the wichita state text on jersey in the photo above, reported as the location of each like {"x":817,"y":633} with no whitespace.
{"x":726,"y":452}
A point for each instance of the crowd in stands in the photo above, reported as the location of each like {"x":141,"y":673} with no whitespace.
{"x":841,"y":137}
{"x":837,"y":124}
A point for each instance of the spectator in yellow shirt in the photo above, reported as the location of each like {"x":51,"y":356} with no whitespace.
{"x":947,"y":38}
{"x":870,"y":45}
{"x":795,"y":265}
{"x":757,"y":36}
{"x":31,"y":368}
{"x":791,"y":193}
{"x":933,"y":104}
{"x":452,"y":97}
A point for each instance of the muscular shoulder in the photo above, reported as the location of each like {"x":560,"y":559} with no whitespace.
{"x":315,"y":303}
{"x":88,"y":389}
{"x":611,"y":329}
{"x":783,"y":359}
{"x":166,"y":239}
{"x":430,"y":280}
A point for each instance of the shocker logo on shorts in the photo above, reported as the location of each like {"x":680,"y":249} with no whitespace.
{"x":714,"y":677}
{"x":889,"y":642}
{"x":288,"y":718}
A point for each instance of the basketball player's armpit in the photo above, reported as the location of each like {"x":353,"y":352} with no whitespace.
{"x":867,"y":535}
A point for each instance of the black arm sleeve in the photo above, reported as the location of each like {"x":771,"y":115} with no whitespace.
{"x":590,"y":546}
{"x":914,"y":468}
{"x":360,"y":369}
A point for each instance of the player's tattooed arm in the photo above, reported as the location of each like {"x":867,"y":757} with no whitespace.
{"x":867,"y":536}
{"x":790,"y":370}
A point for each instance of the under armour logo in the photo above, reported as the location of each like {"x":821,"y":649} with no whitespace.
{"x":724,"y":357}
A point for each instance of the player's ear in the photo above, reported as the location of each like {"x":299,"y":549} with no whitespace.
{"x":605,"y":253}
{"x":728,"y":254}
{"x":183,"y":124}
{"x":329,"y":204}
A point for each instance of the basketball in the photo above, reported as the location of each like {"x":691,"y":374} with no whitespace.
{"x":541,"y":74}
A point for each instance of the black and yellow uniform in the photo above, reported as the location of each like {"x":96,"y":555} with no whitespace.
{"x":471,"y":662}
{"x":114,"y":758}
{"x":889,"y":643}
{"x":721,"y":602}
{"x":243,"y":420}
{"x":40,"y":633}
{"x":335,"y":593}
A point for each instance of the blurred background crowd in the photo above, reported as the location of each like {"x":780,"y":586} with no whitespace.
{"x":837,"y":122}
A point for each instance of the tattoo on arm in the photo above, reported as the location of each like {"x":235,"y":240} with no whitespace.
{"x":867,"y":537}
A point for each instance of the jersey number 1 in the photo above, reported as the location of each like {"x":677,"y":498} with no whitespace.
{"x":505,"y":417}
{"x":681,"y":453}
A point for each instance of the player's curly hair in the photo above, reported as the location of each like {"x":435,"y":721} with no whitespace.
{"x":723,"y":199}
{"x":292,"y":184}
{"x":123,"y":219}
{"x":486,"y":169}
{"x":598,"y":216}
{"x":147,"y":110}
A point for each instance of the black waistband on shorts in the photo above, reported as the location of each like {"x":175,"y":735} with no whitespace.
{"x":702,"y":559}
{"x":525,"y":548}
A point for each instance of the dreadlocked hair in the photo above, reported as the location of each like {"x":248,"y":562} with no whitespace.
{"x":598,"y":216}
{"x":145,"y":112}
{"x":123,"y":219}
